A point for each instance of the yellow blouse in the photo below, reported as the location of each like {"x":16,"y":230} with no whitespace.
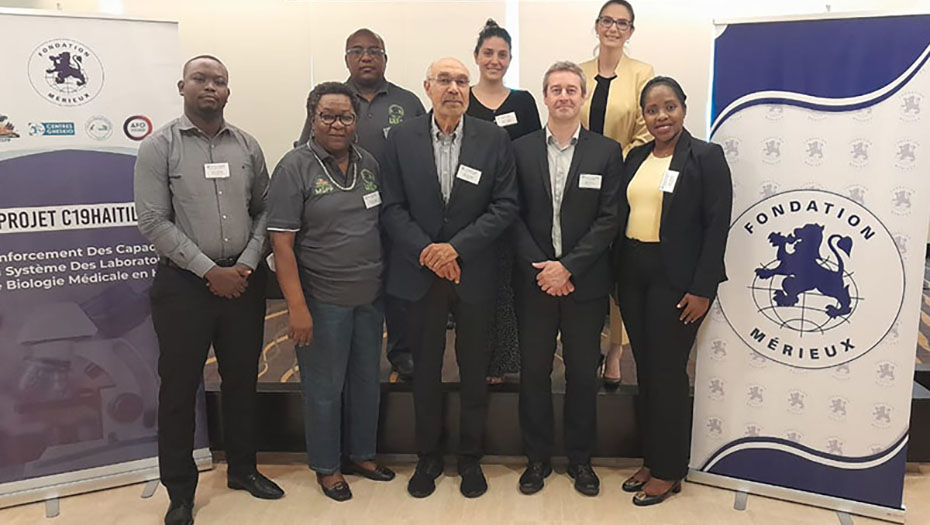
{"x":623,"y":121}
{"x":645,"y":199}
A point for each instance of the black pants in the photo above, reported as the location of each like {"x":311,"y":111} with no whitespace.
{"x":188,"y":319}
{"x":427,"y":337}
{"x":540,"y":318}
{"x":395,"y":317}
{"x":661,"y":345}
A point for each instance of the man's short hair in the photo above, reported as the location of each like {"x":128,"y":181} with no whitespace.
{"x":365,"y":31}
{"x":569,"y":67}
{"x":198,"y":57}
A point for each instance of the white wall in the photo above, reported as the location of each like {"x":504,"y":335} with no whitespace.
{"x":276,"y":49}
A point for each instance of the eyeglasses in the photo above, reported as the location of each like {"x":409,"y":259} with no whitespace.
{"x":622,"y":23}
{"x":357,"y":52}
{"x":446,"y":81}
{"x":346,"y":119}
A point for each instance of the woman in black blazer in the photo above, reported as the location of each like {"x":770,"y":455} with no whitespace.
{"x":669,"y":261}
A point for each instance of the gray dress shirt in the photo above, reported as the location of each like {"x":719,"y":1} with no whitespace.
{"x":560,"y":160}
{"x":190,"y":218}
{"x":446,"y":150}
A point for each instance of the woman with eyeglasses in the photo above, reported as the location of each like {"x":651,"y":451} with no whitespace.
{"x":324,"y":227}
{"x":515,"y":111}
{"x":613,"y":111}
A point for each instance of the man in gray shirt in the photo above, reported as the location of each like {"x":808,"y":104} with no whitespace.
{"x":383,"y":106}
{"x":200,"y":190}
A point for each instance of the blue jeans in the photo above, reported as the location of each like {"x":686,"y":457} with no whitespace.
{"x":339,"y":376}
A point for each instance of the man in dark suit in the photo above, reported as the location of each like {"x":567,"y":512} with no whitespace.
{"x":449,"y":192}
{"x":569,"y":180}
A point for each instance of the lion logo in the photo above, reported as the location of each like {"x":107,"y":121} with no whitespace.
{"x":65,"y":67}
{"x":803,"y":268}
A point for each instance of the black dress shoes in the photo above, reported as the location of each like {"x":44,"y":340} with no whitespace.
{"x":379,"y":473}
{"x":180,"y":513}
{"x":473,"y":482}
{"x":586,"y":481}
{"x":257,"y":485}
{"x":641,"y":499}
{"x":632,"y":485}
{"x":339,"y":492}
{"x":531,"y":481}
{"x":423,"y":481}
{"x":402,"y":363}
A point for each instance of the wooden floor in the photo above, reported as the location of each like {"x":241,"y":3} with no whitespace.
{"x":388,"y":503}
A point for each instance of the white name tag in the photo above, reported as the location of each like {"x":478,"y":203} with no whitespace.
{"x":468,"y":174}
{"x":589,"y":181}
{"x":372,"y":199}
{"x":668,"y":181}
{"x":386,"y":130}
{"x":507,"y":119}
{"x":216,"y":170}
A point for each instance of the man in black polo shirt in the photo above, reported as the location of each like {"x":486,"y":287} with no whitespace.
{"x":383,"y":106}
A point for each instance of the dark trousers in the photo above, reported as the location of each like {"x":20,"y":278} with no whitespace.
{"x":661,"y":345}
{"x":395,"y":317}
{"x":540,"y":318}
{"x":188,"y":319}
{"x":427,"y":336}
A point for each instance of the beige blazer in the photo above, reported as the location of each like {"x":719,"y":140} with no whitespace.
{"x":623,"y":121}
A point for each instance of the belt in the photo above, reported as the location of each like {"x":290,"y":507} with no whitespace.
{"x":225,"y":262}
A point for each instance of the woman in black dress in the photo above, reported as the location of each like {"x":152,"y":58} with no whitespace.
{"x":515,"y":111}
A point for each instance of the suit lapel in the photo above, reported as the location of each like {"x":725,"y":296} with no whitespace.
{"x":426,"y":152}
{"x":543,"y":156}
{"x":470,"y":150}
{"x":575,"y":167}
{"x":679,"y":159}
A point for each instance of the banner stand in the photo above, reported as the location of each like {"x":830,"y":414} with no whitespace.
{"x":90,"y":480}
{"x":796,"y":496}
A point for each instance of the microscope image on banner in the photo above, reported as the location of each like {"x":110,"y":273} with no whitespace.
{"x":820,"y":299}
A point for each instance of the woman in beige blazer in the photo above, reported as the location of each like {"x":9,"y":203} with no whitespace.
{"x":613,"y":110}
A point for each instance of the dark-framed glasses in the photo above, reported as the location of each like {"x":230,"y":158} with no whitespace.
{"x":622,"y":23}
{"x":357,"y":52}
{"x":346,"y":119}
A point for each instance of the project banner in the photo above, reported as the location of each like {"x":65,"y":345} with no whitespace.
{"x":78,"y":354}
{"x":806,"y":362}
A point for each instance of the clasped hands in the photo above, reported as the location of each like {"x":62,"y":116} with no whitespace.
{"x":554,"y":278}
{"x":228,"y":283}
{"x":441,"y":259}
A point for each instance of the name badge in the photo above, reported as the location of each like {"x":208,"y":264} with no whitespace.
{"x":668,"y":181}
{"x":216,"y":170}
{"x":372,"y":199}
{"x":589,"y":181}
{"x":386,"y":130}
{"x":468,"y":174}
{"x":507,"y":119}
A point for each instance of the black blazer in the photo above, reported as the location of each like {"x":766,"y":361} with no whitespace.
{"x":695,"y":215}
{"x":589,"y":217}
{"x":414,"y":215}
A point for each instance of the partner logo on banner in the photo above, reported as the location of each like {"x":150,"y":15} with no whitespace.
{"x":65,"y":72}
{"x":805,"y":259}
{"x":7,"y":130}
{"x":137,"y":127}
{"x":51,"y":129}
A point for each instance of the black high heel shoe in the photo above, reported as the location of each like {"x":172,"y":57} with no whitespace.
{"x":641,"y":499}
{"x":632,"y":485}
{"x":610,"y":383}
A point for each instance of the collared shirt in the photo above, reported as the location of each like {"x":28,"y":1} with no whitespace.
{"x":446,"y":150}
{"x":337,"y":241}
{"x":390,"y":106}
{"x":560,"y":160}
{"x":190,"y":218}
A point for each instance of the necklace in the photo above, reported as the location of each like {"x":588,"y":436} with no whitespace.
{"x":350,"y":187}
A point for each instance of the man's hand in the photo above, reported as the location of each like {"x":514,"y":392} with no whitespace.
{"x":300,"y":327}
{"x":227,"y":282}
{"x":437,"y":255}
{"x":562,"y":291}
{"x":450,"y":271}
{"x":553,"y":277}
{"x":692,"y":307}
